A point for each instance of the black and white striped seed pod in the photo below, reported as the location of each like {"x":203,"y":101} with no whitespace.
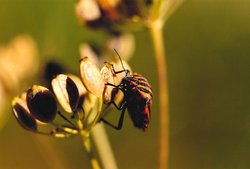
{"x":41,"y":103}
{"x":22,"y":114}
{"x":78,"y":82}
{"x":66,"y":92}
{"x":91,"y":77}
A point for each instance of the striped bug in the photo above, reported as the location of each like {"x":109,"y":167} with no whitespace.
{"x":137,"y":98}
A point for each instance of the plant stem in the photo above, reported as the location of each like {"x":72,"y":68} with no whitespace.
{"x":87,"y":144}
{"x":103,"y":147}
{"x":156,"y":29}
{"x":100,"y":140}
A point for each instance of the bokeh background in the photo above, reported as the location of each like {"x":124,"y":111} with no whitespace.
{"x":208,"y":48}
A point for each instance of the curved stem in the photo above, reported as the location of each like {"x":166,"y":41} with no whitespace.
{"x":158,"y":41}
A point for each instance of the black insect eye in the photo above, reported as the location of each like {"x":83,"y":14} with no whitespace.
{"x":24,"y":118}
{"x":41,"y":103}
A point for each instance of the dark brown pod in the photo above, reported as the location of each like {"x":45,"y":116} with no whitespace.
{"x":22,"y":115}
{"x":41,"y":103}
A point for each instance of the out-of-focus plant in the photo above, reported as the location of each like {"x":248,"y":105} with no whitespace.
{"x":81,"y":99}
{"x":18,"y":62}
{"x":126,"y":16}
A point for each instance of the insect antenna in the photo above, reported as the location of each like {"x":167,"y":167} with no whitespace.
{"x":126,"y":71}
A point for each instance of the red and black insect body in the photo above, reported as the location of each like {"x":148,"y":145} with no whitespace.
{"x":137,"y":99}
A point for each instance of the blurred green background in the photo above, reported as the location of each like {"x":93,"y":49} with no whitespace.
{"x":208,"y":48}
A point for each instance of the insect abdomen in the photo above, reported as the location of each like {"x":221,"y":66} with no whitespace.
{"x":139,"y":101}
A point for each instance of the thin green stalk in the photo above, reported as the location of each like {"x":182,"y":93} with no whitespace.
{"x":103,"y":147}
{"x":100,"y":140}
{"x":158,"y":41}
{"x":87,"y":144}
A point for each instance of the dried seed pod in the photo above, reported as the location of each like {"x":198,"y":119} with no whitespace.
{"x":41,"y":103}
{"x":66,"y":92}
{"x":108,"y":77}
{"x":81,"y":89}
{"x":91,"y":77}
{"x":22,"y":115}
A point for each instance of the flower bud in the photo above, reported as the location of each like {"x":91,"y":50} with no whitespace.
{"x":22,"y":115}
{"x":66,"y":92}
{"x":41,"y":103}
{"x":91,"y":77}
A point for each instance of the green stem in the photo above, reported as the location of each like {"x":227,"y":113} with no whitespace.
{"x":156,"y":29}
{"x":103,"y":147}
{"x":87,"y":144}
{"x":100,"y":140}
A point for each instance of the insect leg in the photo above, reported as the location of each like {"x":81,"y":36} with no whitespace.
{"x":67,"y":120}
{"x":119,"y":71}
{"x":119,"y":126}
{"x":115,"y":86}
{"x":110,"y":84}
